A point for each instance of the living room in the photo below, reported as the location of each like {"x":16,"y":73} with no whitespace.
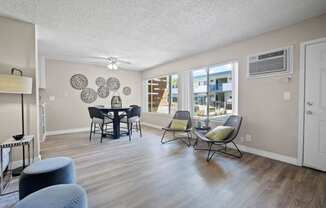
{"x":162,"y":104}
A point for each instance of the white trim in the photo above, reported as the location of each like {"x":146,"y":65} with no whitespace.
{"x":301,"y":101}
{"x":235,"y":88}
{"x":151,"y":125}
{"x":271,"y":155}
{"x":18,"y":163}
{"x":66,"y":131}
{"x":235,"y":84}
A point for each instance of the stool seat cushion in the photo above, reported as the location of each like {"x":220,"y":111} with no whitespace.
{"x":47,"y":165}
{"x":57,"y":196}
{"x":44,"y":173}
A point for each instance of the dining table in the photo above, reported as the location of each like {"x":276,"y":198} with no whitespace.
{"x":117,"y":116}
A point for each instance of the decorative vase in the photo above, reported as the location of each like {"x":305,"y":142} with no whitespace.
{"x":116,"y":102}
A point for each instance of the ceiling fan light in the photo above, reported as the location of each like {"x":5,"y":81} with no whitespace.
{"x":115,"y":67}
{"x":110,"y":66}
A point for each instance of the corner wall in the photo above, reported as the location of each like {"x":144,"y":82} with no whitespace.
{"x":18,"y":49}
{"x":272,"y":121}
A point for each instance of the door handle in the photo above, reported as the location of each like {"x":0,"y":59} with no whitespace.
{"x":309,"y":112}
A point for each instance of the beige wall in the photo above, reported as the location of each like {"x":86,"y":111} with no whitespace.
{"x":67,"y":111}
{"x":270,"y":120}
{"x":17,"y":49}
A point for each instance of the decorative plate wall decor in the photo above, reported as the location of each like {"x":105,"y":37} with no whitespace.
{"x":126,"y":91}
{"x":100,"y":81}
{"x":103,"y":91}
{"x":88,"y":95}
{"x":79,"y":81}
{"x":113,"y":83}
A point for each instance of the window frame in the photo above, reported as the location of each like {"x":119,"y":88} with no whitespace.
{"x":235,"y":82}
{"x":145,"y":97}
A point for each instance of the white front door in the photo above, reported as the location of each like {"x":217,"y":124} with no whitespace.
{"x":315,"y":107}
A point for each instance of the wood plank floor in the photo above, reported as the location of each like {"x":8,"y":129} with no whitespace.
{"x":144,"y":173}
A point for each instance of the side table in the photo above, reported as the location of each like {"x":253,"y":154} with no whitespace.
{"x":200,"y":128}
{"x":11,"y":143}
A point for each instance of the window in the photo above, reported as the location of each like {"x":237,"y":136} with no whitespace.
{"x":162,"y":94}
{"x":214,"y":99}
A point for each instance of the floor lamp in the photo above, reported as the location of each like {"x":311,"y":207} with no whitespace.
{"x":16,"y":83}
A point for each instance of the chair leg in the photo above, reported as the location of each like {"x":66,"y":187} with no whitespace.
{"x":195,"y":144}
{"x":137,"y":129}
{"x":163,"y":137}
{"x":129,"y":132}
{"x":240,"y":153}
{"x":209,"y":155}
{"x":91,"y":131}
{"x":141,"y":134}
{"x":189,"y":141}
{"x":101,"y":127}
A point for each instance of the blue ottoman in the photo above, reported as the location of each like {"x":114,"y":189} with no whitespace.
{"x":58,"y":196}
{"x":44,"y":173}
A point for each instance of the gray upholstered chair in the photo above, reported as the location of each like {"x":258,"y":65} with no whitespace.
{"x":57,"y":196}
{"x":131,"y":118}
{"x":234,"y":121}
{"x":181,"y":115}
{"x":99,"y":122}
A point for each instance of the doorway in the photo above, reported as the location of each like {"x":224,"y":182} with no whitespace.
{"x":313,"y":105}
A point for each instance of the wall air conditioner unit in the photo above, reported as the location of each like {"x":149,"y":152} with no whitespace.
{"x":276,"y":62}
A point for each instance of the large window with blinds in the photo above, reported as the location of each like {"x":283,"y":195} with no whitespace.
{"x":162,"y":94}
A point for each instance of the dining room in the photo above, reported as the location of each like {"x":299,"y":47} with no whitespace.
{"x":80,"y":86}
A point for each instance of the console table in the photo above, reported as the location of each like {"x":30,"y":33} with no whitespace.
{"x":11,"y":143}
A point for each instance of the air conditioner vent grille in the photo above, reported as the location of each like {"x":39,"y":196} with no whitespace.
{"x":270,"y":63}
{"x":268,"y":66}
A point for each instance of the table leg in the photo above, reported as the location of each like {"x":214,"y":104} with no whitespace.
{"x":24,"y":164}
{"x":33,"y":148}
{"x":29,"y":153}
{"x":116,"y":125}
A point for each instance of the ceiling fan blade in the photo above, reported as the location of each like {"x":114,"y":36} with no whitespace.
{"x":123,"y":61}
{"x":97,"y":57}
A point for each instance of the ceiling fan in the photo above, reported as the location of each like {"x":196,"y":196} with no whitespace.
{"x":112,"y":62}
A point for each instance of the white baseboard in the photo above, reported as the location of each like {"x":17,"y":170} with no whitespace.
{"x":271,"y":155}
{"x":151,"y":125}
{"x":18,"y":163}
{"x":66,"y":131}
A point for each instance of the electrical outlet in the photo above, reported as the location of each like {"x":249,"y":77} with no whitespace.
{"x":52,"y":98}
{"x":248,"y":138}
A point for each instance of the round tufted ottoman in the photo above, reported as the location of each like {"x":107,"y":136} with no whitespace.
{"x":58,"y":196}
{"x":44,"y":173}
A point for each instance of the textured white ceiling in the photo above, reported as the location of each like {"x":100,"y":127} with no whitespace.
{"x":151,"y":32}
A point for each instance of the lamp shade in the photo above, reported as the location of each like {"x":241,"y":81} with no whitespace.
{"x":15,"y":84}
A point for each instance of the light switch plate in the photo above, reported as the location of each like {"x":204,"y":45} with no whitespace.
{"x":287,"y":95}
{"x":52,"y":98}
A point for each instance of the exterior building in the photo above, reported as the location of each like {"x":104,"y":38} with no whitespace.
{"x":219,"y":88}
